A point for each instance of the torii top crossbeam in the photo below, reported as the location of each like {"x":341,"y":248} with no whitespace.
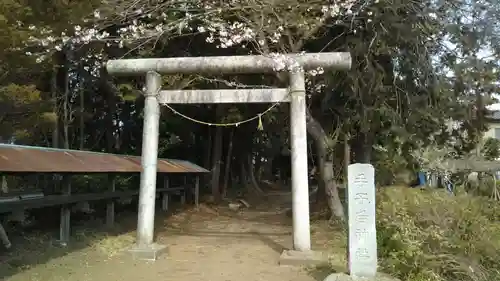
{"x":228,"y":64}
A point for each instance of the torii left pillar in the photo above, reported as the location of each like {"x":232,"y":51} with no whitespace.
{"x":145,"y":248}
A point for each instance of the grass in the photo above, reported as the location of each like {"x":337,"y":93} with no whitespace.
{"x":430,"y":235}
{"x":109,"y":245}
{"x":38,"y":250}
{"x":422,"y":235}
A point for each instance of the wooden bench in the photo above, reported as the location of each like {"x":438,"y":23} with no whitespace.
{"x":21,"y":202}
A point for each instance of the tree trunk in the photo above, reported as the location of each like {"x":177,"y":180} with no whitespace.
{"x":347,"y":156}
{"x":66,"y":105}
{"x":332,"y":191}
{"x":251,"y":174}
{"x":228,"y":163}
{"x":113,"y":137}
{"x":363,"y":147}
{"x":479,"y":123}
{"x":267,"y":169}
{"x":49,"y":185}
{"x":243,"y":173}
{"x":217,"y":155}
{"x":55,"y":109}
{"x":325,"y":167}
{"x":111,"y":143}
{"x":82,"y":118}
{"x":257,"y":166}
{"x":321,"y":200}
{"x":327,"y":181}
{"x":208,"y":149}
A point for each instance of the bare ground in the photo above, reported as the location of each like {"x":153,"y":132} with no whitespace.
{"x":207,"y":244}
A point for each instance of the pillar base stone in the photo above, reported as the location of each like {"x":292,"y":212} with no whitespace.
{"x":303,"y":258}
{"x":60,"y":243}
{"x":345,"y":277}
{"x":147,"y":252}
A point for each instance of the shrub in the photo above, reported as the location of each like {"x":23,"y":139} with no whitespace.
{"x":491,"y":148}
{"x":430,"y":235}
{"x":391,"y":167}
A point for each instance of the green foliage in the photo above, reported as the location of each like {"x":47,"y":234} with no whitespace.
{"x":429,"y":235}
{"x":491,"y":148}
{"x":19,"y":95}
{"x":128,"y":92}
{"x":389,"y":163}
{"x":20,"y":108}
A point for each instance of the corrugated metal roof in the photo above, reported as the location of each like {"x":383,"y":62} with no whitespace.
{"x":34,"y":159}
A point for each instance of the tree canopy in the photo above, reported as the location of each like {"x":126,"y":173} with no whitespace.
{"x":418,"y":66}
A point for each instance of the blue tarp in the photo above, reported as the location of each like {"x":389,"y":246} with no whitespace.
{"x":421,"y":178}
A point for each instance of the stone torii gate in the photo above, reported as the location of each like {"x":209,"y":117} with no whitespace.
{"x":296,"y":95}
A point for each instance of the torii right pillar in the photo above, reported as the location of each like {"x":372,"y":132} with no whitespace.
{"x":301,"y":254}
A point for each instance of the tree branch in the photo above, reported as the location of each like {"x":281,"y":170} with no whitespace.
{"x":315,"y":129}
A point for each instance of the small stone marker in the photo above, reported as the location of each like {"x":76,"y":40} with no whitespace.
{"x":362,"y":231}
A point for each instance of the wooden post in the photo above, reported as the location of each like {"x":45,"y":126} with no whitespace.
{"x":65,"y":222}
{"x":197,"y":191}
{"x":110,"y":206}
{"x":183,"y":196}
{"x":183,"y":192}
{"x":4,"y":237}
{"x":5,"y":187}
{"x":164,"y":195}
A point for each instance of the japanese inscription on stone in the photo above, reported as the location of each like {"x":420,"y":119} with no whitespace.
{"x":362,"y":231}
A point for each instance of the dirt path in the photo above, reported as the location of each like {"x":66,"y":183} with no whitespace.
{"x":207,"y":244}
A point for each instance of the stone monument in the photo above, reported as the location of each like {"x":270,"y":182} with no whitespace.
{"x":362,"y":248}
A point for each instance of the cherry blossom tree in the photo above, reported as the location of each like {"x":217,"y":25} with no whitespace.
{"x":401,"y":54}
